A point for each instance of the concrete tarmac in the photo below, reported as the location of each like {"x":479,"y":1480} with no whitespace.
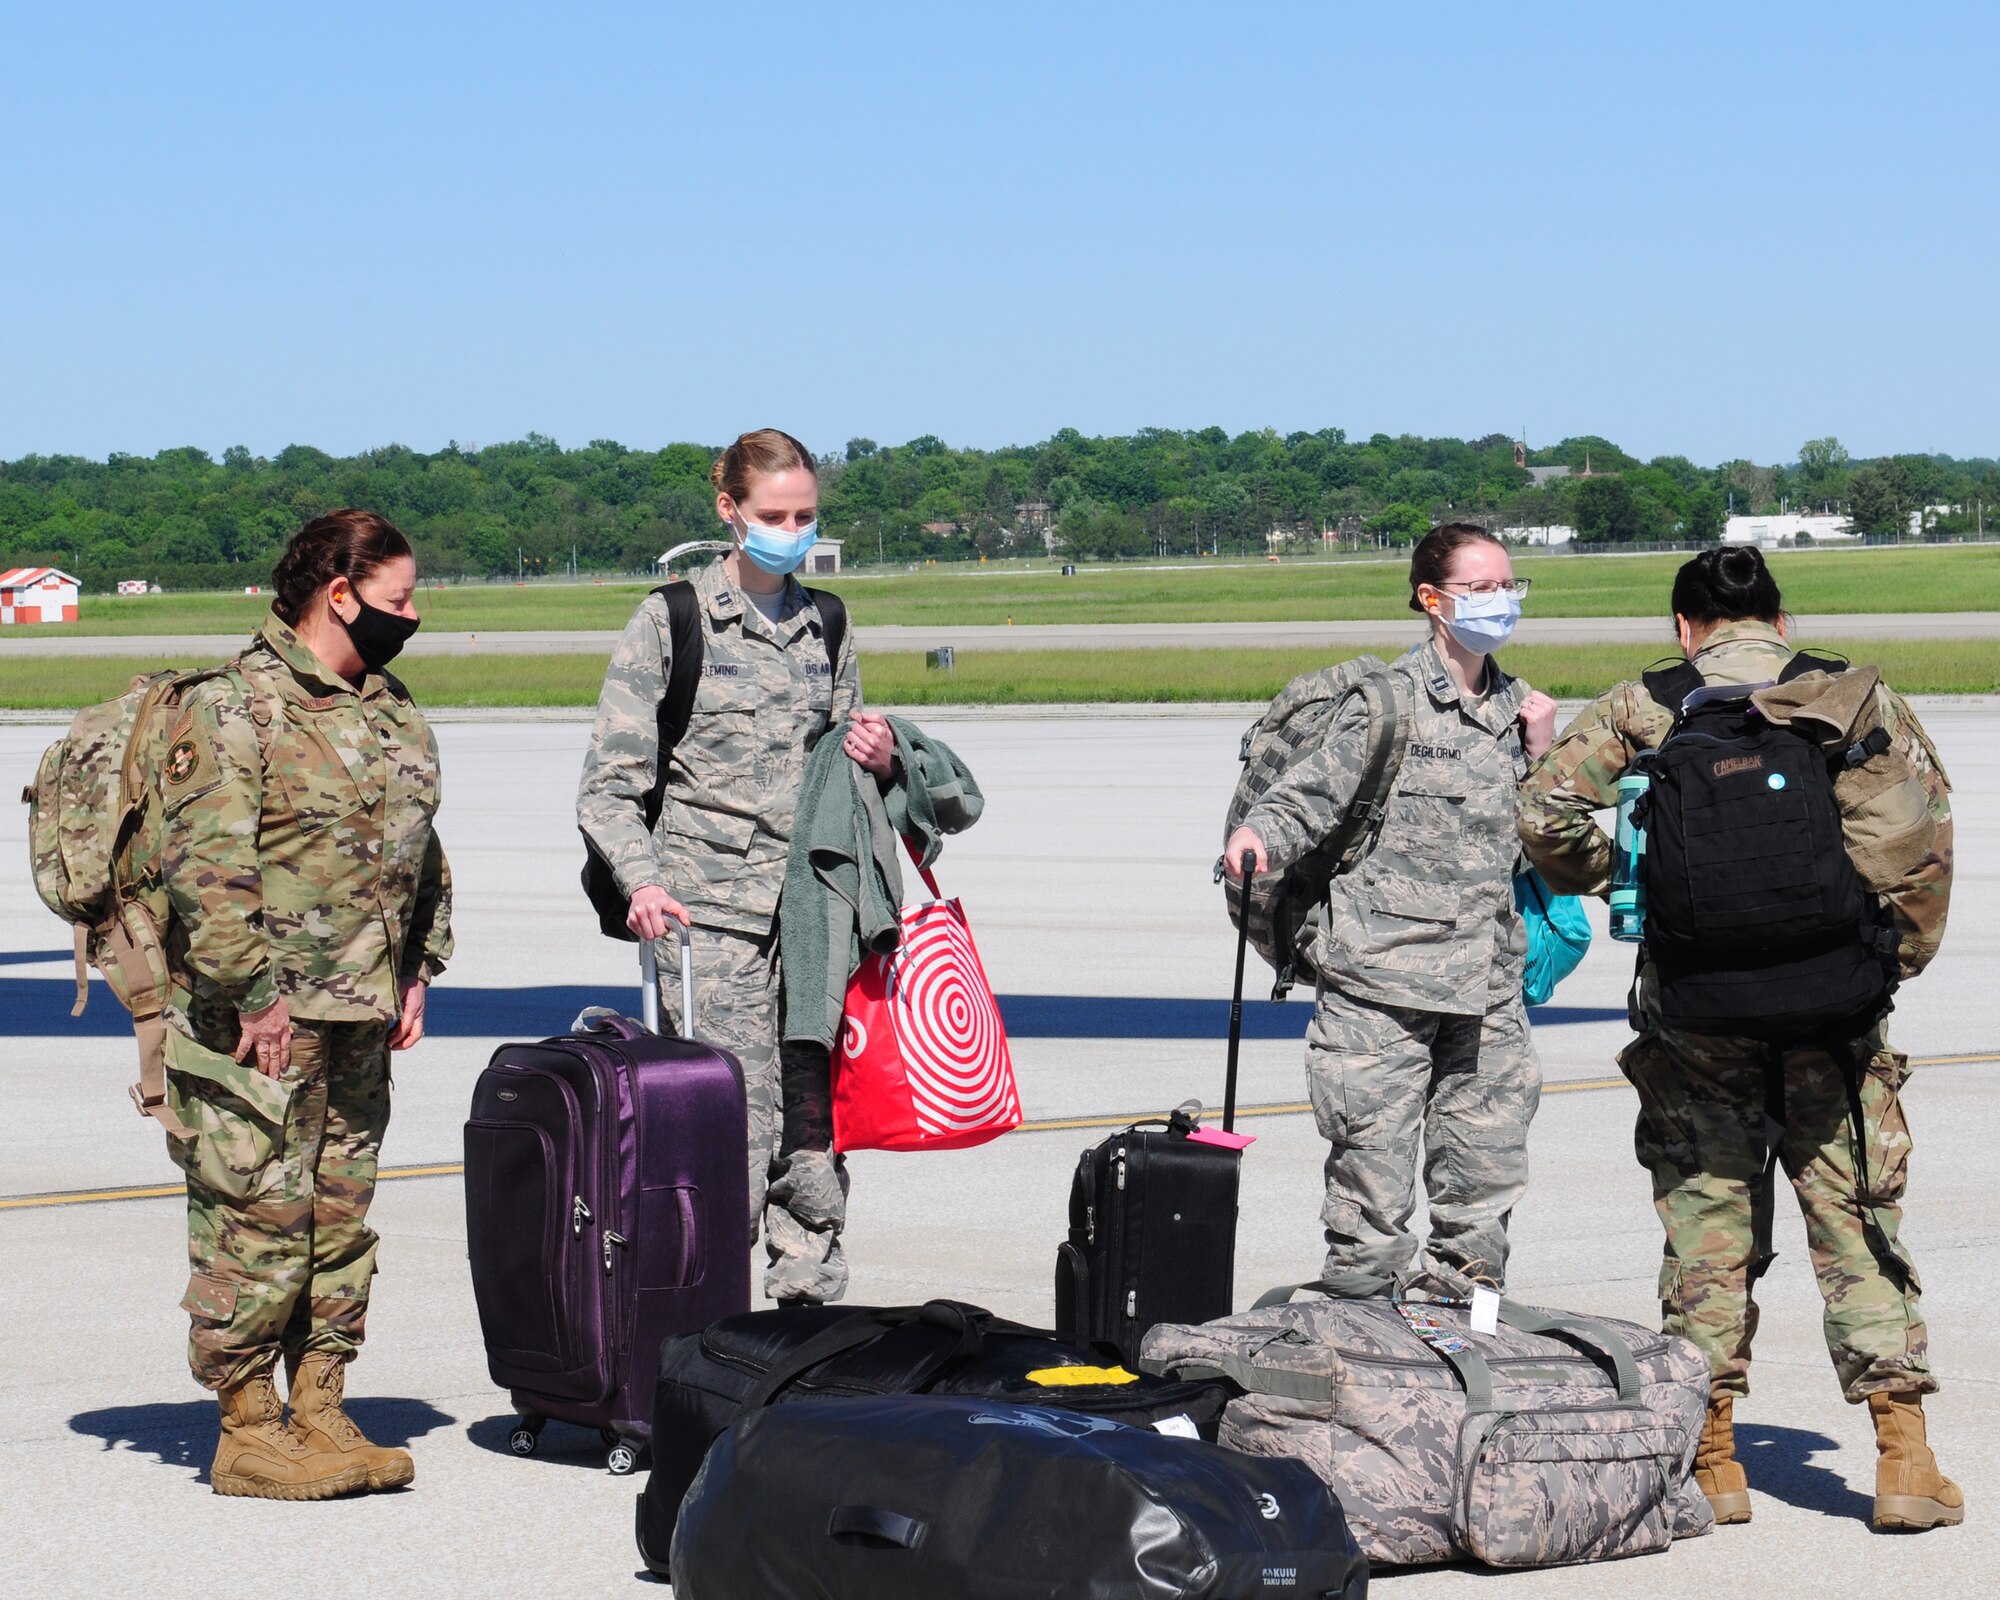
{"x":1065,"y":636}
{"x":1088,"y":887}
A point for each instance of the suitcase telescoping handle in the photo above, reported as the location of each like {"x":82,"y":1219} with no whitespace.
{"x":1249,"y":864}
{"x":649,"y":982}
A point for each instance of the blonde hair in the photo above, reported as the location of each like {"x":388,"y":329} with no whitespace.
{"x":758,"y":455}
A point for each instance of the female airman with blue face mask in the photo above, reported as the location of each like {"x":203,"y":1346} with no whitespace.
{"x":715,"y":861}
{"x":1420,"y":1024}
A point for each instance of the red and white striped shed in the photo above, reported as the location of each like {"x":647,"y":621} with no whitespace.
{"x":37,"y":594}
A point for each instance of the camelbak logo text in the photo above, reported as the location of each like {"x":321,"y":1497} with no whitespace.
{"x":1734,"y":764}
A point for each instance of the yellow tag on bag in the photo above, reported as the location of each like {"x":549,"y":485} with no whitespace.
{"x":1080,"y":1377}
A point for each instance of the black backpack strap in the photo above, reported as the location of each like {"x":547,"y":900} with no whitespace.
{"x":676,"y":709}
{"x":1895,"y":1266}
{"x":1671,"y":685}
{"x":1809,"y":661}
{"x":683,"y":681}
{"x":833,"y":622}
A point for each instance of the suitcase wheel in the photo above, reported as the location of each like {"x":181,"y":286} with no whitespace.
{"x":622,"y":1460}
{"x":610,"y":1436}
{"x":526,"y":1436}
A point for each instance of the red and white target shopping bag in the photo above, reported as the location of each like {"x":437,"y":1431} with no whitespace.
{"x":922,"y":1061}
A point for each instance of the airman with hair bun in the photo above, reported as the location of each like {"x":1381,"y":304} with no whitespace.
{"x":310,"y":906}
{"x":715,"y":860}
{"x":1708,"y":1102}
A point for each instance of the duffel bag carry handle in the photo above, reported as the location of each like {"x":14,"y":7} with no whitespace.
{"x":864,"y":1327}
{"x":871,"y":1522}
{"x":1471,"y":1367}
{"x":1593,"y":1336}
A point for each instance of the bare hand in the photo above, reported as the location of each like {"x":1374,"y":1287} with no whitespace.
{"x":652,"y":909}
{"x":267,"y":1034}
{"x":1538,"y":724}
{"x":871,"y":742}
{"x":410,"y":1025}
{"x":1232,"y":853}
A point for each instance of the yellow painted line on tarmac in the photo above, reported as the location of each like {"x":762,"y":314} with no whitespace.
{"x":452,"y":1169}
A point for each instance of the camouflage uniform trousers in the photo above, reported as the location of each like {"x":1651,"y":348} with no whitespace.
{"x":1702,"y":1136}
{"x":1380,"y":1075}
{"x":800,"y":1195}
{"x":279,"y":1247}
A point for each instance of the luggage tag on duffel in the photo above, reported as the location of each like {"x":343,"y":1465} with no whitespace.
{"x":1428,"y":1326}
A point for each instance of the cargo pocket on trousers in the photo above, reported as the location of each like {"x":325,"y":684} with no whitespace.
{"x":210,"y":1299}
{"x":1888,"y":1130}
{"x":233,"y":1152}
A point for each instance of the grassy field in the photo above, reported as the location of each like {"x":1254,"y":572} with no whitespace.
{"x":1914,"y":579}
{"x":1032,"y":677}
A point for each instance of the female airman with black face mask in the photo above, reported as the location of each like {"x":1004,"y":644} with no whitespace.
{"x":715,"y":861}
{"x":1420,"y":1024}
{"x":308,"y":908}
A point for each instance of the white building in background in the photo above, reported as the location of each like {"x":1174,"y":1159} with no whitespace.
{"x":1768,"y":533}
{"x":37,"y":594}
{"x":1554,"y":534}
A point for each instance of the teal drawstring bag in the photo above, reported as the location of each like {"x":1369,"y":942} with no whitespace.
{"x":1558,"y":935}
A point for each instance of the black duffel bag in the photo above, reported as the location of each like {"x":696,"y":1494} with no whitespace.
{"x":761,"y":1358}
{"x":931,"y":1498}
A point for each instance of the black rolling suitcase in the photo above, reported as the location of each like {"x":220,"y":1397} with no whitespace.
{"x":1152,"y":1222}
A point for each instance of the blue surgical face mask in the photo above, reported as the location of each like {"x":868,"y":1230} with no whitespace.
{"x":1482,"y":623}
{"x":775,"y":551}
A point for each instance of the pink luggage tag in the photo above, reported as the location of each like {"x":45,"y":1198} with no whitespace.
{"x":1228,"y":1141}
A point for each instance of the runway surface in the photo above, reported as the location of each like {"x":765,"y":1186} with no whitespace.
{"x":1082,"y":636}
{"x":1088,"y":888}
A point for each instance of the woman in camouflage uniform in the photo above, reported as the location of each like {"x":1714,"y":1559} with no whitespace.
{"x":1420,"y":1025}
{"x":716,"y":860}
{"x":1705,"y":1100}
{"x":310,"y":908}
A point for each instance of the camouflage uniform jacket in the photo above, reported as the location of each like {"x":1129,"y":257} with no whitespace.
{"x":1580,"y":773}
{"x":767,"y":694}
{"x":1426,"y":920}
{"x":298,"y":853}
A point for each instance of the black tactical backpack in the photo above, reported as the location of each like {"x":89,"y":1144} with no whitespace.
{"x":1282,"y":908}
{"x":1757,"y":923}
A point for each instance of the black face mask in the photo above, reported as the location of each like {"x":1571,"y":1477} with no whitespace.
{"x":378,"y":636}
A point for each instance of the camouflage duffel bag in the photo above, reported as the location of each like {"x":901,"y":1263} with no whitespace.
{"x":1555,"y":1439}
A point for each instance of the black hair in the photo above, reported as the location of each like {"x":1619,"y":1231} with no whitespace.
{"x":1727,"y":584}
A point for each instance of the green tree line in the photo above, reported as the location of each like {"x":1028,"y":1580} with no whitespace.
{"x":186,"y":520}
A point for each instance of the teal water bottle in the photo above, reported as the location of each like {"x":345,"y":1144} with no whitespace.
{"x":1628,"y":885}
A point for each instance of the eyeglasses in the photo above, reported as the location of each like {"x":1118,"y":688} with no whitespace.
{"x":1483,"y":586}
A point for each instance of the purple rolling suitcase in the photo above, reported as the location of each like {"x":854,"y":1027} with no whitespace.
{"x":607,"y":1206}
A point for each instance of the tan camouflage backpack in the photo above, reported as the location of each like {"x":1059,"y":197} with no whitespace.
{"x":1284,"y":908}
{"x":94,"y":835}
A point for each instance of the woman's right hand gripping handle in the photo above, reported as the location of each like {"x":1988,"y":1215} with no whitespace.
{"x":1232,"y":853}
{"x":652,"y":909}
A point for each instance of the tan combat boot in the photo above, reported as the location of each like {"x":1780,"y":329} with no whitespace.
{"x":1717,"y":1472}
{"x":319,"y":1378}
{"x":1910,"y":1493}
{"x":258,"y":1455}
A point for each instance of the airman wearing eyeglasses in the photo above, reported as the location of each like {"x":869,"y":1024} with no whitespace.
{"x":1420,"y":1024}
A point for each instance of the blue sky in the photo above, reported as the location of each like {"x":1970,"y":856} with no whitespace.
{"x":1704,"y":229}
